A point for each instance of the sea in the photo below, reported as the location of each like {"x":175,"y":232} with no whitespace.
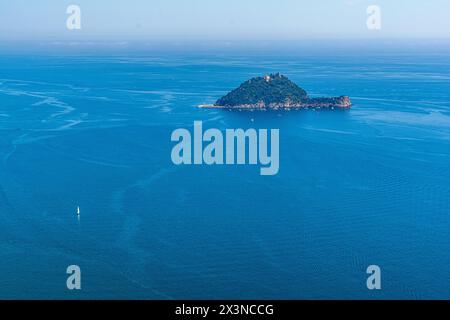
{"x":361,"y":187}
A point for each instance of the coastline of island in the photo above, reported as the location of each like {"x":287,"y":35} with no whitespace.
{"x":275,"y":92}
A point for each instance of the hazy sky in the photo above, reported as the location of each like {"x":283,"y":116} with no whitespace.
{"x":222,"y":19}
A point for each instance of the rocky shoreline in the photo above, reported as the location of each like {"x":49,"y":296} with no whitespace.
{"x":342,"y":102}
{"x":274,"y":92}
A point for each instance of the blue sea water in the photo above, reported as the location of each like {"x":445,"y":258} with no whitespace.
{"x":355,"y":188}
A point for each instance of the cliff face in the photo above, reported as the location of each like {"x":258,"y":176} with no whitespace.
{"x":276,"y":92}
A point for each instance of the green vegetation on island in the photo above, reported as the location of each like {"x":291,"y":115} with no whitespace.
{"x":269,"y":89}
{"x":275,"y":91}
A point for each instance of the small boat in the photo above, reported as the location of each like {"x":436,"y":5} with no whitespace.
{"x":78,"y":211}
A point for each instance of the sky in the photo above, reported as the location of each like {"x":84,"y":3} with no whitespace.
{"x":222,"y":19}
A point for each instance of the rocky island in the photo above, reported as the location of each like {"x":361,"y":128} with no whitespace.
{"x":275,"y":91}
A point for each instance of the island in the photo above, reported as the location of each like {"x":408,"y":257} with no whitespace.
{"x":275,"y":91}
